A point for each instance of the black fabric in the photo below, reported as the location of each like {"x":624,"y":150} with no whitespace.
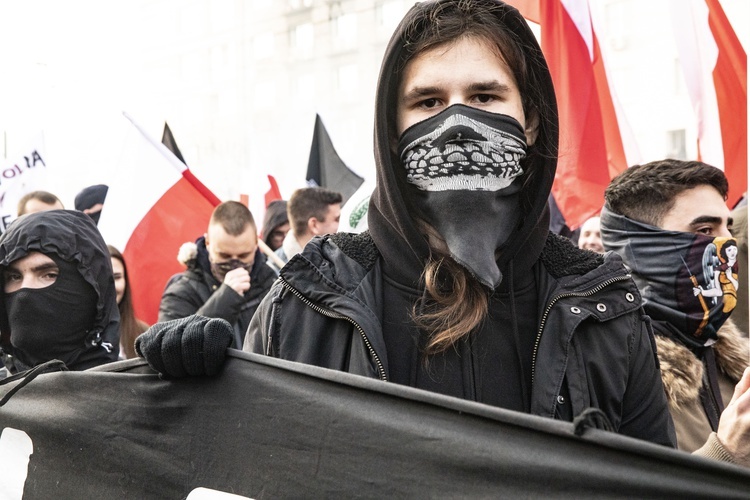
{"x":490,"y":366}
{"x":52,"y":322}
{"x":326,"y":169}
{"x":266,"y":428}
{"x":464,"y":173}
{"x":189,"y":346}
{"x":168,"y":140}
{"x":592,"y":341}
{"x":74,"y":238}
{"x":90,"y":196}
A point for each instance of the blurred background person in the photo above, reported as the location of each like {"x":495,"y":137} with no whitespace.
{"x":313,"y":211}
{"x":590,"y":237}
{"x":739,"y":231}
{"x":91,"y":201}
{"x":38,"y":201}
{"x":130,"y":326}
{"x":275,"y":224}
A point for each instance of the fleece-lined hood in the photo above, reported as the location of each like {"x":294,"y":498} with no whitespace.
{"x":391,"y":215}
{"x":73,"y":237}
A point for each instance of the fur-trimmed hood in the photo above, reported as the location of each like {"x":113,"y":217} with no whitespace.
{"x":682,"y":371}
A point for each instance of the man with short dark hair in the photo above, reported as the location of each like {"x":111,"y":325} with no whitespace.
{"x":312,"y":211}
{"x":226,"y":276}
{"x":38,"y":201}
{"x":669,"y":222}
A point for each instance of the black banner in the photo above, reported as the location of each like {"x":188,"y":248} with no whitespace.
{"x":266,"y":428}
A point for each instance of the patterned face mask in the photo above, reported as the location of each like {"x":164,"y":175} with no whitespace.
{"x":465,"y":166}
{"x":688,"y":281}
{"x":220,"y":269}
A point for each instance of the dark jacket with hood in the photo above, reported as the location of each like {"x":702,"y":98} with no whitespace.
{"x":73,"y":237}
{"x":592,"y":346}
{"x":276,"y":215}
{"x":196,"y":291}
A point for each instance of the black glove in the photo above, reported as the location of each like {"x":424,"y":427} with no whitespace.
{"x":195,"y":346}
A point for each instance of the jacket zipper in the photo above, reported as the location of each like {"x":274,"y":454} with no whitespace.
{"x":587,"y":293}
{"x":335,"y":315}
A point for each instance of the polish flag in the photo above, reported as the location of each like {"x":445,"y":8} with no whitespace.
{"x":591,"y":150}
{"x":153,"y":206}
{"x":715,"y":68}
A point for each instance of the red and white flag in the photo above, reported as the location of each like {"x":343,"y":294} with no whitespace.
{"x":591,"y":150}
{"x":715,"y":68}
{"x":154,"y":205}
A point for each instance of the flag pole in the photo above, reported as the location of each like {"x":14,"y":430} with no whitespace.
{"x":270,"y":253}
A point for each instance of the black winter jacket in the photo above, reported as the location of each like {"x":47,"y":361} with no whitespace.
{"x":594,"y":345}
{"x":196,"y":291}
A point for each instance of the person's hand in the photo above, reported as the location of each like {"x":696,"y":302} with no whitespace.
{"x":238,"y":280}
{"x":194,"y":346}
{"x":734,"y":424}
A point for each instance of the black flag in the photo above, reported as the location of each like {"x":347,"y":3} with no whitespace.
{"x":325,"y":168}
{"x":168,"y":140}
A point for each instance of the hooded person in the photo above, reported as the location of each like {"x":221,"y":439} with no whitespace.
{"x":275,"y":224}
{"x":58,"y":295}
{"x":91,"y":201}
{"x":458,"y":287}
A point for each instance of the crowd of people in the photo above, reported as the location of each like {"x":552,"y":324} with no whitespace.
{"x":458,"y":286}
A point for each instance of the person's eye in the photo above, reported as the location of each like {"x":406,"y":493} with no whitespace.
{"x":484,"y":98}
{"x":11,"y":277}
{"x":51,"y":275}
{"x":430,"y":103}
{"x":708,"y":231}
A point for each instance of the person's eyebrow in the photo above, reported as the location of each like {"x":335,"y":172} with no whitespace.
{"x":49,"y":266}
{"x":419,"y":92}
{"x":493,"y":85}
{"x":706,"y":219}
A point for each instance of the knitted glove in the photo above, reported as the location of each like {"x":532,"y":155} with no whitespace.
{"x":193,"y":346}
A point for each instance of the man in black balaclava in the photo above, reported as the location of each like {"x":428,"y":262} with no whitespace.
{"x":669,"y":222}
{"x":58,"y":298}
{"x":458,"y":287}
{"x":91,"y":201}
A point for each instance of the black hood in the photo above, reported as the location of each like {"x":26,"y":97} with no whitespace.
{"x":390,"y":215}
{"x":275,"y":216}
{"x":73,"y":237}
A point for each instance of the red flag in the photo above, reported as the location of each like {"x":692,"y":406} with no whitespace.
{"x":154,"y":205}
{"x":591,"y":150}
{"x":273,"y":192}
{"x":715,"y":68}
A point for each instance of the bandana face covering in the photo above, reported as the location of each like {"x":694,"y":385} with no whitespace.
{"x":688,"y":281}
{"x":465,"y":166}
{"x":220,"y":269}
{"x":52,"y":322}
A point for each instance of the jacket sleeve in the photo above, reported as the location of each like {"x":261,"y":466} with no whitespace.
{"x":181,"y":300}
{"x":224,"y":303}
{"x":259,"y":331}
{"x":645,"y":414}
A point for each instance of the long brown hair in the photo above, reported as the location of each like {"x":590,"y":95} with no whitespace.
{"x":456,"y":302}
{"x":130,"y":326}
